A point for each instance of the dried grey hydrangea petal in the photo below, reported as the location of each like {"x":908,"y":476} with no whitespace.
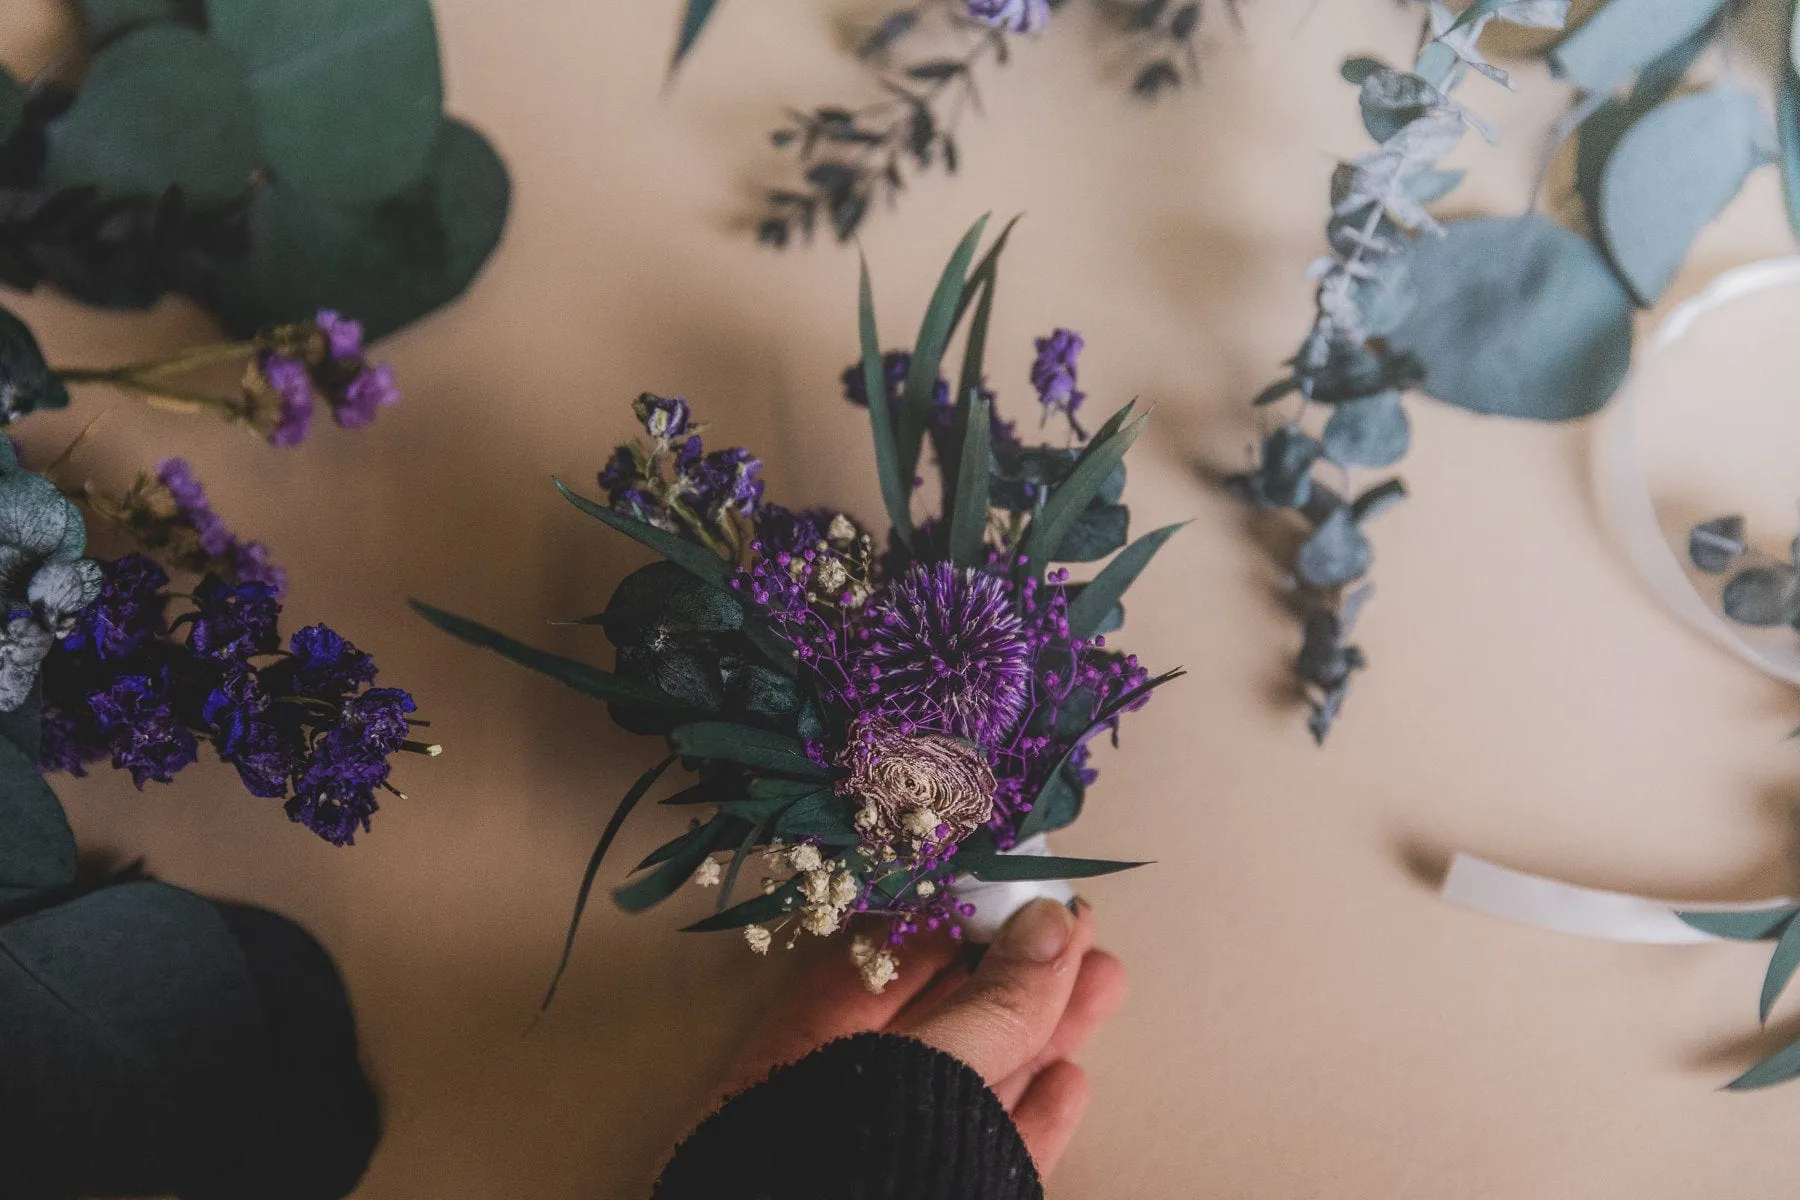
{"x":37,"y":518}
{"x":23,"y":644}
{"x":62,"y":589}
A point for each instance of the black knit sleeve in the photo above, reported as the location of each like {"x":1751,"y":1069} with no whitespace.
{"x":871,"y":1117}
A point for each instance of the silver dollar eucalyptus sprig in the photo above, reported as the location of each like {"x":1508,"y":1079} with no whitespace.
{"x":1340,"y":405}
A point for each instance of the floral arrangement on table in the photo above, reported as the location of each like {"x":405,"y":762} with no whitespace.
{"x":1510,"y":316}
{"x":874,"y":717}
{"x":845,"y":158}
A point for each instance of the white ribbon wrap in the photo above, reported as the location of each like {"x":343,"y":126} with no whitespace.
{"x":995,"y":902}
{"x":1630,"y":513}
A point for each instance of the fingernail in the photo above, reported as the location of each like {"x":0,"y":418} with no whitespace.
{"x":1039,"y":932}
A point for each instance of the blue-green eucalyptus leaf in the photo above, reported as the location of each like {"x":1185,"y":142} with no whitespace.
{"x":1764,"y":596}
{"x":1370,"y":432}
{"x":1714,"y":545}
{"x":1337,"y":553}
{"x":746,"y":745}
{"x":1518,"y":317}
{"x":694,"y":16}
{"x":1089,"y":610}
{"x":1753,"y":926}
{"x":695,"y":558}
{"x":1623,"y":36}
{"x":1781,"y":969}
{"x":1779,"y":1067}
{"x":918,"y":398}
{"x":1671,"y":174}
{"x":969,"y":513}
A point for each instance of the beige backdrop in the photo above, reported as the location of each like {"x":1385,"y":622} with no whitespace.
{"x":1308,"y":1020}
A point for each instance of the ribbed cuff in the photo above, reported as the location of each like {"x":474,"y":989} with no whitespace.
{"x":871,"y":1117}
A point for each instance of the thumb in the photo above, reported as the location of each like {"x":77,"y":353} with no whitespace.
{"x":1005,"y":1014}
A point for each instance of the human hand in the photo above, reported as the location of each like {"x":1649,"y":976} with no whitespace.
{"x":1039,"y":993}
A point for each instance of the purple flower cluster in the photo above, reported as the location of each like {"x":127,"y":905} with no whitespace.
{"x":132,"y":685}
{"x":1053,"y":375}
{"x":331,"y":366}
{"x":674,"y":483}
{"x":220,"y":551}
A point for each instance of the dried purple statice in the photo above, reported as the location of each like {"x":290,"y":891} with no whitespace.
{"x":1053,"y":375}
{"x":1013,"y":16}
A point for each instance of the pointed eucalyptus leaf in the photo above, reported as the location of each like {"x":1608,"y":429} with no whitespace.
{"x":896,"y":482}
{"x":694,"y":16}
{"x":1671,"y":174}
{"x":820,"y":814}
{"x":348,"y":93}
{"x":617,"y":822}
{"x":1071,"y":497}
{"x":746,"y":745}
{"x":163,"y":107}
{"x":980,"y":857}
{"x":390,"y":262}
{"x":750,"y":912}
{"x":588,"y":680}
{"x":1714,"y":545}
{"x":1764,"y":596}
{"x":1753,"y":926}
{"x":1377,"y":500}
{"x":918,"y":397}
{"x":1336,"y":554}
{"x":969,"y":513}
{"x":1279,"y":390}
{"x":1517,"y":317}
{"x":982,"y":276}
{"x":1781,"y":969}
{"x":692,"y":557}
{"x":1624,"y":36}
{"x":26,"y":381}
{"x":1089,"y":610}
{"x":720,"y":833}
{"x":1779,"y":1067}
{"x":1370,"y":432}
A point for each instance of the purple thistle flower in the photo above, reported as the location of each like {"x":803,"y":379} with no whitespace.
{"x":1053,"y":374}
{"x":235,"y":620}
{"x":140,"y":727}
{"x":1014,"y":16}
{"x":664,"y":418}
{"x":293,"y":386}
{"x":343,"y":337}
{"x":372,"y":389}
{"x":131,"y":610}
{"x":944,"y":650}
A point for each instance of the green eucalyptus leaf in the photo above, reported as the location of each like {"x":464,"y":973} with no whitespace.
{"x":348,"y":92}
{"x":389,"y":263}
{"x":37,"y":850}
{"x":12,"y":104}
{"x":1753,"y":926}
{"x":694,"y":15}
{"x":918,"y":398}
{"x":746,"y":745}
{"x":896,"y":483}
{"x":821,"y":814}
{"x":1096,"y":533}
{"x":104,"y":20}
{"x":770,"y":797}
{"x":135,"y":1044}
{"x":690,"y":556}
{"x":1670,"y":175}
{"x":1764,"y":596}
{"x":1624,"y":36}
{"x":1100,"y":598}
{"x":1071,"y":498}
{"x":1714,"y":545}
{"x":1777,"y":1068}
{"x":163,"y":107}
{"x":1599,"y":135}
{"x":1781,"y":969}
{"x":969,"y":515}
{"x":1517,"y":317}
{"x":750,"y":912}
{"x":26,"y":381}
{"x":1370,"y":432}
{"x":682,"y":860}
{"x":663,"y":599}
{"x":979,"y":857}
{"x":588,"y":680}
{"x":636,"y":793}
{"x":1336,"y":554}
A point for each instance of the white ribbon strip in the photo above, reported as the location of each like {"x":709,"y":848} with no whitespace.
{"x":995,"y":902}
{"x":1549,"y":904}
{"x":1629,"y":511}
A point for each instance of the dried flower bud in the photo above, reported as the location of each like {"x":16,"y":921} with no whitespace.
{"x":805,"y":858}
{"x":925,"y":888}
{"x":845,"y":888}
{"x":708,"y":873}
{"x":758,"y":938}
{"x":815,"y":887}
{"x":819,"y":919}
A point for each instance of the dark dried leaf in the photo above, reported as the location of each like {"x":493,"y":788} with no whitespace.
{"x":1712,"y":545}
